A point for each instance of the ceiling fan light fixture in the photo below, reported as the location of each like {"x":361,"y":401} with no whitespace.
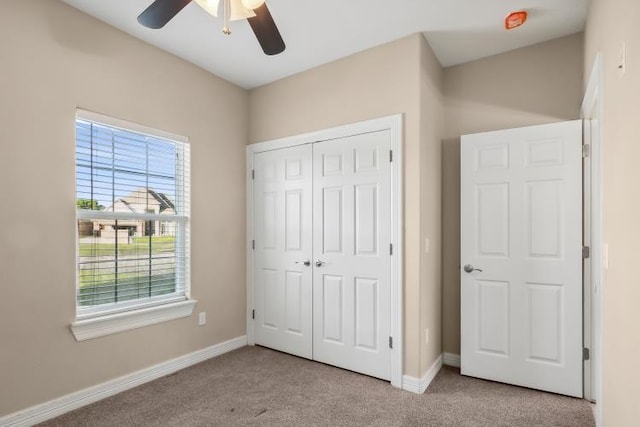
{"x":160,"y":12}
{"x":234,"y":8}
{"x":252,"y":4}
{"x":239,"y":11}
{"x":210,"y":6}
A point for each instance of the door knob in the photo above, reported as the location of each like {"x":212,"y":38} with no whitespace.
{"x":306,"y":262}
{"x":319,"y":263}
{"x":469,"y":269}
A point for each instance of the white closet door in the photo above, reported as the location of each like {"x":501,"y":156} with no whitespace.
{"x":283,"y":223}
{"x":352,"y":221}
{"x":521,"y":252}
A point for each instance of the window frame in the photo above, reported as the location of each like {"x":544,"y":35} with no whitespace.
{"x":100,"y":320}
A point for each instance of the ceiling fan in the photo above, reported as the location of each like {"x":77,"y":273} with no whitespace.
{"x":255,"y":11}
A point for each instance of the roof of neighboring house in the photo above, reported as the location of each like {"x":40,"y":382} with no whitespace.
{"x":140,"y":197}
{"x":124,"y":202}
{"x":168,"y":203}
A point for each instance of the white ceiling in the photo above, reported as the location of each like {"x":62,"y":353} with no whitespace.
{"x":321,"y":31}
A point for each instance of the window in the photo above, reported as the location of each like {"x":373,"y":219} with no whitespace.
{"x":132,"y":213}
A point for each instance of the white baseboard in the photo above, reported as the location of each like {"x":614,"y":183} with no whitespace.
{"x":53,"y":408}
{"x":452,"y":359}
{"x":419,"y":385}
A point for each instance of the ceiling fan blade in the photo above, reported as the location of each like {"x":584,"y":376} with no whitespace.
{"x":160,"y":12}
{"x":266,"y":31}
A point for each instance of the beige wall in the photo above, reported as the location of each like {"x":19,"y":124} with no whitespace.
{"x":378,"y":82}
{"x":533,"y":85}
{"x":610,"y":23}
{"x":54,"y":58}
{"x":431,"y":119}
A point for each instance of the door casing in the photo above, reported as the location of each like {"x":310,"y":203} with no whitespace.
{"x":591,"y":112}
{"x":394,"y":124}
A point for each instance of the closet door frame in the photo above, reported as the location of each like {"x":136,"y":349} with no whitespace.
{"x":394,"y":124}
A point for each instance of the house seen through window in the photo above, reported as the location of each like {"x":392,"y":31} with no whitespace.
{"x":132,"y":197}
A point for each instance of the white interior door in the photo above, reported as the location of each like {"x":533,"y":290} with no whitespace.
{"x":282,"y":230}
{"x":336,"y":194}
{"x":352,"y":261}
{"x":521,"y":226}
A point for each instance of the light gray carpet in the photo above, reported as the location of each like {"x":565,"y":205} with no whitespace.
{"x":258,"y":386}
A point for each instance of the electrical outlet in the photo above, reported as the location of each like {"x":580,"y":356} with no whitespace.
{"x":426,"y":336}
{"x":202,"y":318}
{"x":427,"y":243}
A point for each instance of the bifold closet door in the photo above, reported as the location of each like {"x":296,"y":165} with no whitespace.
{"x":283,"y":249}
{"x":322,"y":262}
{"x":352,"y":261}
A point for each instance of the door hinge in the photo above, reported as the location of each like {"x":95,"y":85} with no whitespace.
{"x":253,"y":174}
{"x":390,"y":248}
{"x":253,"y":245}
{"x":586,"y":150}
{"x":585,"y":354}
{"x":390,"y":155}
{"x":390,"y":342}
{"x":253,"y":314}
{"x":586,"y":252}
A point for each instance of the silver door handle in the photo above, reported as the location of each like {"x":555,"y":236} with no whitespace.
{"x":306,"y":262}
{"x":319,"y":263}
{"x":469,"y":269}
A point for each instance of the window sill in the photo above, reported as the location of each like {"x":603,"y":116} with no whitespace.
{"x":120,"y":322}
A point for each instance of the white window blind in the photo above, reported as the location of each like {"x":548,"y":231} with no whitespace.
{"x":132,"y":210}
